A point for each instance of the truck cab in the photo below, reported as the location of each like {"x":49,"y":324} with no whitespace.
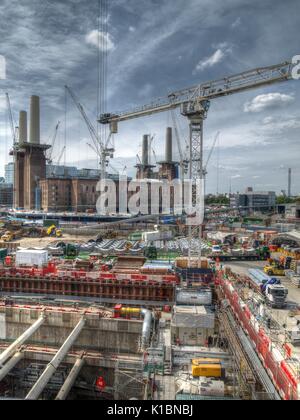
{"x":276,"y":295}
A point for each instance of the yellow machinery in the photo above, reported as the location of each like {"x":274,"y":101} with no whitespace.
{"x":274,"y":270}
{"x":121,"y":311}
{"x":7,"y":237}
{"x":53,"y":231}
{"x":208,"y":368}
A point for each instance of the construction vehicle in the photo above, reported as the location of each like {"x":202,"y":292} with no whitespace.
{"x":274,"y":268}
{"x":7,"y":237}
{"x":54,"y":231}
{"x":10,"y":236}
{"x":208,"y":368}
{"x":275,"y":294}
{"x":270,"y":287}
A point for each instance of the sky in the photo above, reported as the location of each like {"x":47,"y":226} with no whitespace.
{"x":156,"y":47}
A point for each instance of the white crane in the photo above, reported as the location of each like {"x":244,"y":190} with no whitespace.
{"x":208,"y":159}
{"x":104,"y":150}
{"x":49,"y":154}
{"x":11,"y":120}
{"x":194,"y":103}
{"x":210,"y":153}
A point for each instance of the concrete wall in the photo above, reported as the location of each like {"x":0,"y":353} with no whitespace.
{"x":2,"y":327}
{"x":101,"y":334}
{"x":191,"y":336}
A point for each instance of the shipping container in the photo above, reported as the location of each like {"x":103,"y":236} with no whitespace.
{"x":31,"y":258}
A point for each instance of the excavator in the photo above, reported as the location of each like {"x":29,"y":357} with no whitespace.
{"x":8,"y":236}
{"x":54,"y":231}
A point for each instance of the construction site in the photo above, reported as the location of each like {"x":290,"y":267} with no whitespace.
{"x":157,"y":305}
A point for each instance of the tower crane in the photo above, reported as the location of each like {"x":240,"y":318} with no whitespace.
{"x":208,"y":159}
{"x":15,"y":135}
{"x":57,"y":163}
{"x":11,"y":120}
{"x":210,"y":154}
{"x":154,"y":155}
{"x":151,"y":140}
{"x":104,"y":150}
{"x":60,"y":156}
{"x":194,"y":104}
{"x":50,"y":154}
{"x":108,"y":164}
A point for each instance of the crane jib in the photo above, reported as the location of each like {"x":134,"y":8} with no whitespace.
{"x":241,"y":82}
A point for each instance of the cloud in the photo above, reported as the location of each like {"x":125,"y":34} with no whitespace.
{"x":269,"y":100}
{"x":132,"y":29}
{"x":236,"y":23}
{"x":222,"y":51}
{"x":101,"y":40}
{"x":145,"y":91}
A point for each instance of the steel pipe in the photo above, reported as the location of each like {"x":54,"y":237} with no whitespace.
{"x":10,"y":365}
{"x":21,"y":340}
{"x":42,"y":382}
{"x":146,"y":328}
{"x":70,"y":381}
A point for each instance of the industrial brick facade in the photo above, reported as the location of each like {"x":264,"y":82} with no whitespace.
{"x":78,"y":195}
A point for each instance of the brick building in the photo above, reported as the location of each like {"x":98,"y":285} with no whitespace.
{"x":68,"y":194}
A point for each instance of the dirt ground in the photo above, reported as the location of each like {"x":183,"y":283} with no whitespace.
{"x":44,"y":242}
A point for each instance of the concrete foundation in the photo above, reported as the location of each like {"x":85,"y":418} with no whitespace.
{"x":110,"y":347}
{"x":101,"y":334}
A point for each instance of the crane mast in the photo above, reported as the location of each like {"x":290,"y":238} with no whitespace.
{"x":194,"y":103}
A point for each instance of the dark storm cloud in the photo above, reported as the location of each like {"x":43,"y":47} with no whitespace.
{"x":156,"y":47}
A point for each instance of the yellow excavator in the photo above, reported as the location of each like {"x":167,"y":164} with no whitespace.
{"x":54,"y":231}
{"x":8,"y":236}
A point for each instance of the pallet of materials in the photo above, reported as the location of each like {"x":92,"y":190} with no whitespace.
{"x":296,"y":281}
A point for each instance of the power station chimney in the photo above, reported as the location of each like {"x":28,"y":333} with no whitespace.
{"x":145,"y":153}
{"x":35,"y":120}
{"x":23,"y":138}
{"x":169,"y":145}
{"x":290,"y":183}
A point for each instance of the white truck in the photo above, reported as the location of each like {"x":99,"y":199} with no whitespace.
{"x":270,"y":287}
{"x":276,"y":295}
